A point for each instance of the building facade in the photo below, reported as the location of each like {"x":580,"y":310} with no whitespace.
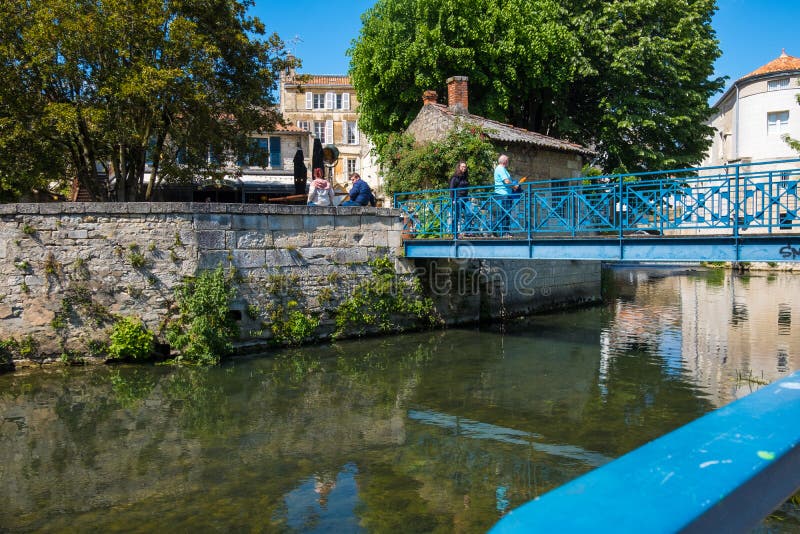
{"x":326,"y":106}
{"x":531,"y":154}
{"x":753,"y":116}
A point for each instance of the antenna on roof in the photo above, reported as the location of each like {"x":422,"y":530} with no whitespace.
{"x":292,"y":43}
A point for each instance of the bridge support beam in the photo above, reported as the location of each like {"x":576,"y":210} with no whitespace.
{"x":765,"y":248}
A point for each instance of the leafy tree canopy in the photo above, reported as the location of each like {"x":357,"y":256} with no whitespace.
{"x":123,"y":83}
{"x":629,"y":78}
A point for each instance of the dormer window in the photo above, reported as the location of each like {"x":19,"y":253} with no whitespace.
{"x":777,"y":85}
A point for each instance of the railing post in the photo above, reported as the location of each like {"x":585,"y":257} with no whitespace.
{"x":619,"y":205}
{"x":528,"y":212}
{"x":737,"y":205}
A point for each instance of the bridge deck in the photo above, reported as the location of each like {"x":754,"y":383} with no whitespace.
{"x":733,"y":213}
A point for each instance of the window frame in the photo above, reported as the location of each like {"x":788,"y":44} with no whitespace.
{"x":777,"y":126}
{"x":779,"y":84}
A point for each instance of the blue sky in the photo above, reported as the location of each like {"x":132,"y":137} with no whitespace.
{"x":751,"y":32}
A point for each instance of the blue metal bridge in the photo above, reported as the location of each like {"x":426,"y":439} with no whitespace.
{"x":740,"y":213}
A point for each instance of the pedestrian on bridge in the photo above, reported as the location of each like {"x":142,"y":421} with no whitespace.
{"x":458,"y":196}
{"x":504,"y":189}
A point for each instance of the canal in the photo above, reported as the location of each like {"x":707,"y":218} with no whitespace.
{"x":428,"y":432}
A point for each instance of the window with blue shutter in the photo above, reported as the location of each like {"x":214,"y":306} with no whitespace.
{"x":275,"y":160}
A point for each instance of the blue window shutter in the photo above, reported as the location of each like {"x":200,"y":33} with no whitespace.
{"x":275,"y":152}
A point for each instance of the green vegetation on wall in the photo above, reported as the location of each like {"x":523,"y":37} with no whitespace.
{"x":130,"y":340}
{"x":203,"y":330}
{"x":383,"y":300}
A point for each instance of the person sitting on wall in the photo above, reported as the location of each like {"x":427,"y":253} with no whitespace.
{"x":360,"y":193}
{"x":320,"y":193}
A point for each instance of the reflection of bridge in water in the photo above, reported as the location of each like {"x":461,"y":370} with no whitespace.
{"x":744,"y":212}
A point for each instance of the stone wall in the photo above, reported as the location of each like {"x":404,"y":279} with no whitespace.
{"x":70,"y":268}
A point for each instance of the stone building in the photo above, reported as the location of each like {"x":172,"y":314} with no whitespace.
{"x":537,"y":156}
{"x":327,"y":107}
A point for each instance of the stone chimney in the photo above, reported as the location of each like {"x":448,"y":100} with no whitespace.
{"x":458,"y":94}
{"x":428,"y":97}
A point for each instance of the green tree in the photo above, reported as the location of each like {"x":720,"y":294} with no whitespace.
{"x":794,"y":143}
{"x":122,"y":83}
{"x":629,"y":78}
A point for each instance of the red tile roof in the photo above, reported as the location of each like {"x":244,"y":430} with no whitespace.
{"x":323,"y":79}
{"x":287,"y":128}
{"x":506,"y":132}
{"x":783,"y":63}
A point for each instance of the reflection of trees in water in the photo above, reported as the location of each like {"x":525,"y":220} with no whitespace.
{"x":187,"y":445}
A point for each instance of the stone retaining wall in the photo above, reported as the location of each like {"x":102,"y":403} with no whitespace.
{"x":69,"y":268}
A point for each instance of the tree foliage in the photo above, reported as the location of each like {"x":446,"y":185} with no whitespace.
{"x":120,"y":83}
{"x":793,"y":143}
{"x":629,"y":78}
{"x":409,"y":166}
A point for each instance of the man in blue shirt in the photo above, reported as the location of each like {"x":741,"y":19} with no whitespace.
{"x":504,"y":188}
{"x":360,"y":193}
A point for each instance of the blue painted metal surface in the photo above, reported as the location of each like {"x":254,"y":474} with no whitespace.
{"x":731,"y":213}
{"x":721,"y":473}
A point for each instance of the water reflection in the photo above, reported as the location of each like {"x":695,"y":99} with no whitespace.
{"x":428,"y":432}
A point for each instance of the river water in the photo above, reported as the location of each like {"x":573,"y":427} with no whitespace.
{"x":428,"y":432}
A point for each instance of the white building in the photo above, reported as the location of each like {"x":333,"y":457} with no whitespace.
{"x":754,"y":115}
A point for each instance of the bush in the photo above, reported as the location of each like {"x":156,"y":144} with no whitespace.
{"x":203,"y":330}
{"x":130,"y":340}
{"x":292,"y":326}
{"x":412,"y":167}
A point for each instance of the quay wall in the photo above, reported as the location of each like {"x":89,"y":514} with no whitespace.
{"x":69,"y":269}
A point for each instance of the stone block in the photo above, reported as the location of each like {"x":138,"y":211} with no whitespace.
{"x":171,"y":208}
{"x":78,"y":234}
{"x":211,"y":259}
{"x":51,"y":208}
{"x":285,"y":222}
{"x":248,"y":259}
{"x":212,"y":221}
{"x":347,"y":221}
{"x":283,"y":258}
{"x":253,"y":240}
{"x":318,"y":255}
{"x":319,"y":221}
{"x":211,"y":239}
{"x":291,"y":240}
{"x":138,"y":207}
{"x":28,"y":208}
{"x":106,"y":208}
{"x":250,"y":222}
{"x":351,"y":255}
{"x":8,"y":209}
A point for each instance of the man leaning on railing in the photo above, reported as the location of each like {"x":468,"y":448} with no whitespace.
{"x":504,"y":188}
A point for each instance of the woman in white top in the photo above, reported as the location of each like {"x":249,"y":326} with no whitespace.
{"x":320,"y":193}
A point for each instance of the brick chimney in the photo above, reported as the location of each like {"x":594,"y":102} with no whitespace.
{"x":428,"y":97}
{"x":458,"y":94}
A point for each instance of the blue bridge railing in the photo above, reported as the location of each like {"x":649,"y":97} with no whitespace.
{"x":723,"y":472}
{"x":722,"y":200}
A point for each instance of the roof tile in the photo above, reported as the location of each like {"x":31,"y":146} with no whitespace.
{"x":783,"y":63}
